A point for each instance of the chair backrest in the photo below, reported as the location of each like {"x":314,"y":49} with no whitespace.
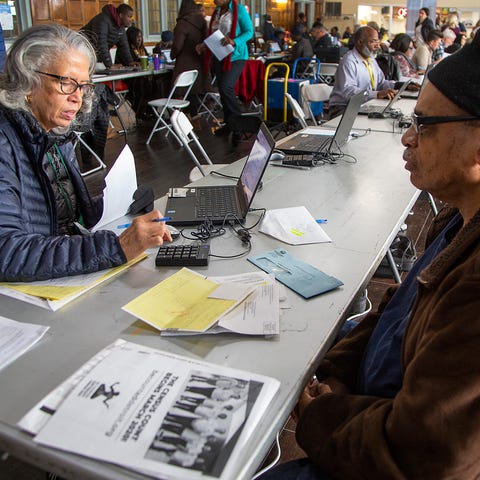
{"x":316,"y":92}
{"x":297,"y":110}
{"x":182,"y":126}
{"x":184,"y":80}
{"x":184,"y":129}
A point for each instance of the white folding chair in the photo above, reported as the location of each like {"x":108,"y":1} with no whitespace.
{"x":315,"y":92}
{"x":100,"y":164}
{"x":161,"y":106}
{"x":184,"y":130}
{"x":298,"y":113}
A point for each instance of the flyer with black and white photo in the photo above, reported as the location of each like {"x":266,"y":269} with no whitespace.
{"x":161,"y":414}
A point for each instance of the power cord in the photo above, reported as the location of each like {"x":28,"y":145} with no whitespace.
{"x":214,"y":172}
{"x":274,"y":462}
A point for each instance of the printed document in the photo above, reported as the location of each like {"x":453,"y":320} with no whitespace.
{"x":294,"y":226}
{"x":161,"y":414}
{"x":16,"y":338}
{"x":214,"y":43}
{"x":120,"y":185}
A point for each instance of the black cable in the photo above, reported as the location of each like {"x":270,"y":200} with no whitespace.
{"x":214,"y":172}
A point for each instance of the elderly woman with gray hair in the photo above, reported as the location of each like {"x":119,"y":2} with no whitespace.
{"x":46,"y":209}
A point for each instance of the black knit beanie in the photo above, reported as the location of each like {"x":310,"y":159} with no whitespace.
{"x":458,"y":77}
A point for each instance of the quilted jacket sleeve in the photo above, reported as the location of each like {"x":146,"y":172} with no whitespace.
{"x":29,"y":249}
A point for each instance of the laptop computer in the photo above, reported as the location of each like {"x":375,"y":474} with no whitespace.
{"x":168,"y":57}
{"x":117,"y":71}
{"x":415,"y":94}
{"x":383,"y":109}
{"x":275,"y":47}
{"x":317,"y":141}
{"x":224,"y":203}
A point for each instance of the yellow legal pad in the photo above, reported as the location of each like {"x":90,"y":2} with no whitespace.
{"x":180,"y":302}
{"x":63,"y":292}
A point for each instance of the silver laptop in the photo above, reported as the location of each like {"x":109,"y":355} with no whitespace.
{"x":415,"y":94}
{"x":307,"y":143}
{"x":383,"y":109}
{"x":222,"y":203}
{"x":168,"y":56}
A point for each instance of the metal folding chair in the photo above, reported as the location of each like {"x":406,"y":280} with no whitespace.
{"x":163,"y":106}
{"x":184,"y":130}
{"x":297,"y":110}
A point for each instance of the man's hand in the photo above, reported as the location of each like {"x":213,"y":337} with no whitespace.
{"x":116,"y":66}
{"x":143,"y":233}
{"x":413,"y":86}
{"x":388,"y":94}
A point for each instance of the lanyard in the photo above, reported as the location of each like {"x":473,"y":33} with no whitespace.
{"x":370,"y":71}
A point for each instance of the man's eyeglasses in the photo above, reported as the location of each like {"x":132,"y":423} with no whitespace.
{"x":418,"y":121}
{"x":70,"y":85}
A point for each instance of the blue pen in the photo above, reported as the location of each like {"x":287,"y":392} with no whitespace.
{"x":321,"y":220}
{"x":163,"y":219}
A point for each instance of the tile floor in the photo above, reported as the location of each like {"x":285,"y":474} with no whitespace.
{"x":164,"y":164}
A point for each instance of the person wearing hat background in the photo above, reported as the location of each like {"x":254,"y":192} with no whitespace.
{"x":279,"y":37}
{"x":398,"y":397}
{"x":268,"y":30}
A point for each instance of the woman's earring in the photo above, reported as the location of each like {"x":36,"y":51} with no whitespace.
{"x":28,"y":99}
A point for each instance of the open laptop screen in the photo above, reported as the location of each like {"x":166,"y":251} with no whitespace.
{"x":167,"y":55}
{"x":256,"y":163}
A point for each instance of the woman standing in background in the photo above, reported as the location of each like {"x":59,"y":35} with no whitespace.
{"x":190,"y":30}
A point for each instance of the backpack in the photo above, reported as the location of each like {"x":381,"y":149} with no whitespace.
{"x":389,"y":66}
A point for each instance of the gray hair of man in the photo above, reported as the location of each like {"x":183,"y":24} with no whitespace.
{"x":448,"y":33}
{"x":36,"y":49}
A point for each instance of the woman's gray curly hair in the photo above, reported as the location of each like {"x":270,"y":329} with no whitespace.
{"x":36,"y":49}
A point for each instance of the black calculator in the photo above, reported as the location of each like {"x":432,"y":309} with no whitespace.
{"x":182,"y":255}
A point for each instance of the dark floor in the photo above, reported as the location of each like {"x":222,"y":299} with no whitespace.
{"x":163,"y":164}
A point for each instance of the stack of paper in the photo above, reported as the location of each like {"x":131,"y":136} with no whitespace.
{"x":188,"y":302}
{"x":54,"y":294}
{"x":157,"y":413}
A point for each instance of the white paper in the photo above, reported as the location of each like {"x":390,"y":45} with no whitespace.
{"x":121,"y":183}
{"x":214,"y":43}
{"x":16,"y":338}
{"x":161,"y":414}
{"x":294,"y":226}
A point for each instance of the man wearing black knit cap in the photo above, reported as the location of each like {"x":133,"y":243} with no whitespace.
{"x":399,"y":396}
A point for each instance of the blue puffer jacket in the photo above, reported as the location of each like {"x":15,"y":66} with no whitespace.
{"x":30,"y":247}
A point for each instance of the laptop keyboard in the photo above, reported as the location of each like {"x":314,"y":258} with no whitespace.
{"x":373,"y":108}
{"x":215,"y":202}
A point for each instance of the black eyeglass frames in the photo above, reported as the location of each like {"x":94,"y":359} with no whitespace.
{"x":418,"y":121}
{"x":70,"y":85}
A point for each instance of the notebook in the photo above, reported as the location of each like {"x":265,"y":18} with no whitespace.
{"x":193,"y":205}
{"x":383,"y":109}
{"x":317,"y":141}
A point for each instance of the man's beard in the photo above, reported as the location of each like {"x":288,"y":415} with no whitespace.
{"x":366,"y":52}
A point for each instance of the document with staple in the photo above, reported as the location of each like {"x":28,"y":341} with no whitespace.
{"x":294,"y":225}
{"x":120,"y":185}
{"x":297,"y":275}
{"x":16,"y":338}
{"x":257,"y":314}
{"x":214,"y":43}
{"x":186,"y":301}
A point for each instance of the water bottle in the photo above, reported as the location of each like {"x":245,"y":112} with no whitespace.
{"x":270,"y":49}
{"x":162,"y":61}
{"x":150,"y":62}
{"x":156,"y":62}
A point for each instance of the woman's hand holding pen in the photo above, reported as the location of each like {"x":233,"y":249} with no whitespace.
{"x":144,"y":232}
{"x":227,"y":41}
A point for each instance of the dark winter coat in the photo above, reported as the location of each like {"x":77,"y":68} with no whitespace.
{"x":30,"y":247}
{"x":104,"y":32}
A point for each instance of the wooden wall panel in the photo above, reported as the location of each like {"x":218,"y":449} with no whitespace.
{"x":40,"y":11}
{"x":59,"y":11}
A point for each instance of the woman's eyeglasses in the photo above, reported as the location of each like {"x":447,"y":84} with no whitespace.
{"x":418,"y":121}
{"x":70,"y":85}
